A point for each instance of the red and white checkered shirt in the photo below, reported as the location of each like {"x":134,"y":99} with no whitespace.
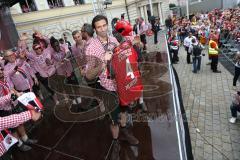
{"x":5,"y":97}
{"x":11,"y":122}
{"x":95,"y":56}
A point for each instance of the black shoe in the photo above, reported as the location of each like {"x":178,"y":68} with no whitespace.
{"x":115,"y":150}
{"x":30,"y":141}
{"x":126,"y":135}
{"x":24,"y":148}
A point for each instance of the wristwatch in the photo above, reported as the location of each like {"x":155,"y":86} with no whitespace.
{"x":13,"y":97}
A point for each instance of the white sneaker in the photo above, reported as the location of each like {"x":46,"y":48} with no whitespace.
{"x":233,"y":120}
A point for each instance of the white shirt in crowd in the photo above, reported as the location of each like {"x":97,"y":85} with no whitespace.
{"x":188,"y":41}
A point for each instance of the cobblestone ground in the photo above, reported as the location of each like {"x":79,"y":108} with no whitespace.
{"x":207,"y":97}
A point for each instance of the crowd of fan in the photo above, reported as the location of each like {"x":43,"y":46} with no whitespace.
{"x":218,"y":31}
{"x":25,"y":68}
{"x":220,"y":25}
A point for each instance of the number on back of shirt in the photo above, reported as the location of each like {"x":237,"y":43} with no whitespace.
{"x":129,"y":70}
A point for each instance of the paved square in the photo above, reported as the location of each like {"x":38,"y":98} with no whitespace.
{"x":207,"y":97}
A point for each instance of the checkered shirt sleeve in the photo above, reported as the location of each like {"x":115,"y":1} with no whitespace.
{"x":14,"y":120}
{"x":11,"y":122}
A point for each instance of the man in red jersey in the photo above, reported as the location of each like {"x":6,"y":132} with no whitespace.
{"x":129,"y":81}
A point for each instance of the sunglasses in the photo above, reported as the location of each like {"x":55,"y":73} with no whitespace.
{"x":37,"y":48}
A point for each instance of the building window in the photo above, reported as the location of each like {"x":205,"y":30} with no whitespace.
{"x":28,"y":6}
{"x":55,"y":3}
{"x":78,"y":2}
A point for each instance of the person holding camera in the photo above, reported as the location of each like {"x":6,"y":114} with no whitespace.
{"x":235,"y":107}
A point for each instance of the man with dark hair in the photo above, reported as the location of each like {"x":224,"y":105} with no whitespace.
{"x":59,"y":54}
{"x":97,"y":19}
{"x":67,"y":42}
{"x":87,"y":31}
{"x":39,"y":38}
{"x":143,"y":27}
{"x":196,"y":50}
{"x":61,"y":41}
{"x":168,"y":22}
{"x":87,"y":35}
{"x":156,"y":28}
{"x":99,"y":52}
{"x":187,"y":43}
{"x":122,"y":16}
{"x":136,"y":26}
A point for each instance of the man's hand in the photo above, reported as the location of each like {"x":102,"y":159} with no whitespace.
{"x":35,"y":115}
{"x":18,"y":94}
{"x":38,"y":34}
{"x":115,"y":130}
{"x":23,"y":37}
{"x":108,"y":56}
{"x":136,"y":40}
{"x":66,"y":60}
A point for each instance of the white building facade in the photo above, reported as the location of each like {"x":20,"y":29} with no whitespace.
{"x":55,"y":17}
